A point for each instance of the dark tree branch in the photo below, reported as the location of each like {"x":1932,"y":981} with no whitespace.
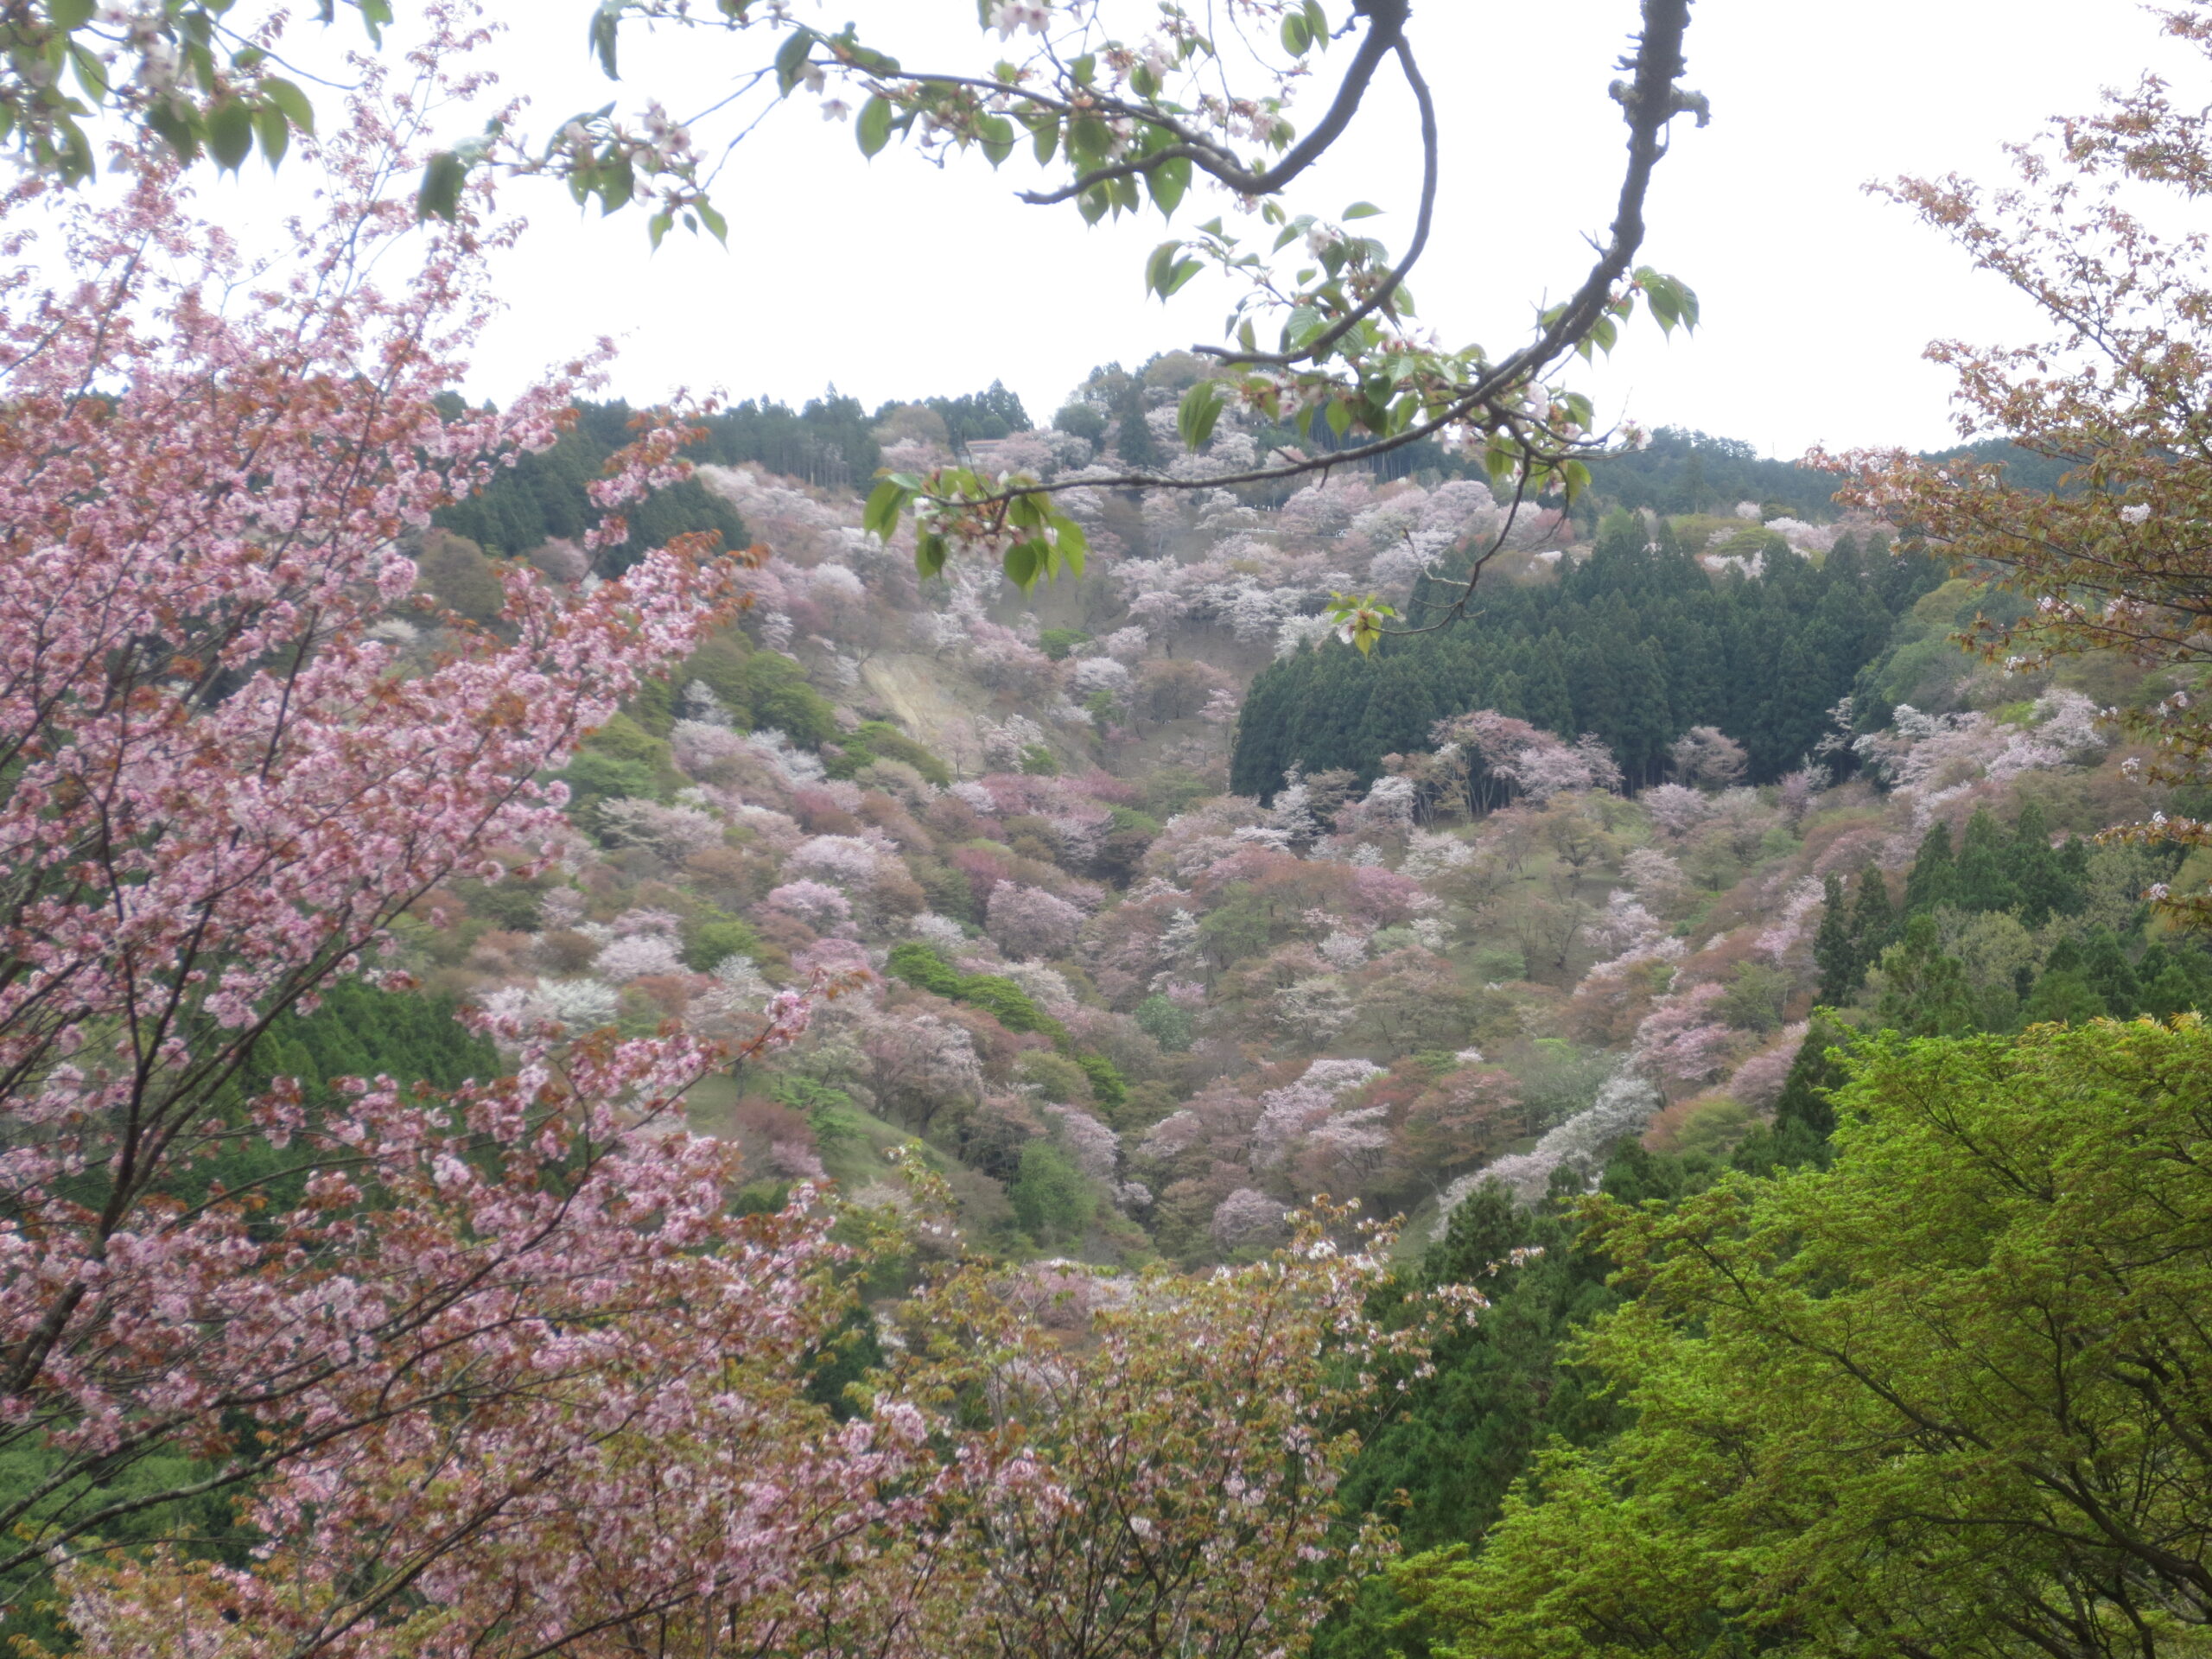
{"x":1386,"y":23}
{"x":1319,"y":348}
{"x":1649,"y":101}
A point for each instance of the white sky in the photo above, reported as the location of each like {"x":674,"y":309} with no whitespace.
{"x":892,"y":279}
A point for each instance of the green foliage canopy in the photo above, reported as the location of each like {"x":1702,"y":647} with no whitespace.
{"x":1942,"y":1399}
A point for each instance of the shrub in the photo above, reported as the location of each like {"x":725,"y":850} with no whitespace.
{"x":1107,"y":1087}
{"x":1169,"y":1025}
{"x":1056,"y":643}
{"x":706,"y":942}
{"x":1051,"y":1199}
{"x":919,"y":965}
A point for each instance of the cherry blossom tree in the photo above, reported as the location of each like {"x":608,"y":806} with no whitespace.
{"x":220,"y":792}
{"x":1187,"y":1451}
{"x":1247,"y":1217}
{"x":1029,"y":922}
{"x":813,"y":902}
{"x":922,"y":1064}
{"x":2114,"y":392}
{"x":1706,"y":757}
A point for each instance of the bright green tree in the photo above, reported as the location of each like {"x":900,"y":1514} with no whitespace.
{"x":1943,"y":1399}
{"x":1934,"y":877}
{"x":1924,"y":993}
{"x":1834,"y":951}
{"x":1874,"y":922}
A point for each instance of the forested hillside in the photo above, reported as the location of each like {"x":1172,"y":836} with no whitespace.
{"x":1542,"y":899}
{"x":1313,"y":1013}
{"x":1637,"y":643}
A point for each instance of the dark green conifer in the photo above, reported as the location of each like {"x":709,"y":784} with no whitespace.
{"x":1835,"y":953}
{"x":1874,"y":922}
{"x":1924,"y":993}
{"x":1934,"y":877}
{"x":2109,"y":974}
{"x":1984,"y":874}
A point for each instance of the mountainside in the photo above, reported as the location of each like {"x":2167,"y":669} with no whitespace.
{"x":1172,"y":912}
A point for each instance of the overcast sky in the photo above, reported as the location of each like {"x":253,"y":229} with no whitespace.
{"x":891,"y":279}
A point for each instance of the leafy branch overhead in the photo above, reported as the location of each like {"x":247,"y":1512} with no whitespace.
{"x":1124,"y":124}
{"x":1116,"y":110}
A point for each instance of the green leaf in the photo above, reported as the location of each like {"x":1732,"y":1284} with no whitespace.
{"x":1023,"y":561}
{"x":617,"y":180}
{"x":1089,"y":137}
{"x":1338,"y":415}
{"x":874,"y":127}
{"x":1164,"y":273}
{"x":75,"y":149}
{"x":1168,"y":182}
{"x":1671,"y":300}
{"x":717,"y":226}
{"x":1093,"y":203}
{"x":1072,"y":544}
{"x":657,"y":225}
{"x":1085,"y":68}
{"x":230,"y":132}
{"x":1500,"y":456}
{"x":91,"y":73}
{"x":884,"y":503}
{"x":995,"y":134}
{"x":605,"y":27}
{"x":70,"y":15}
{"x":175,"y":127}
{"x":1362,"y":210}
{"x":290,"y":102}
{"x":1157,"y":268}
{"x":790,"y":58}
{"x":1046,"y":138}
{"x":439,"y":197}
{"x":1318,"y":21}
{"x":929,"y":553}
{"x":268,"y":124}
{"x":1297,"y":34}
{"x":1685,"y":301}
{"x":1196,"y":415}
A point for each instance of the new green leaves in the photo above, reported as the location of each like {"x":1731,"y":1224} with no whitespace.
{"x":1359,"y":621}
{"x":605,"y":31}
{"x":791,"y":58}
{"x":1196,"y":415}
{"x":957,"y":504}
{"x":1056,"y":543}
{"x":439,"y":195}
{"x":208,"y":99}
{"x":873,"y":130}
{"x":1671,"y":300}
{"x":880,"y":517}
{"x":1304,"y":28}
{"x":1169,"y":269}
